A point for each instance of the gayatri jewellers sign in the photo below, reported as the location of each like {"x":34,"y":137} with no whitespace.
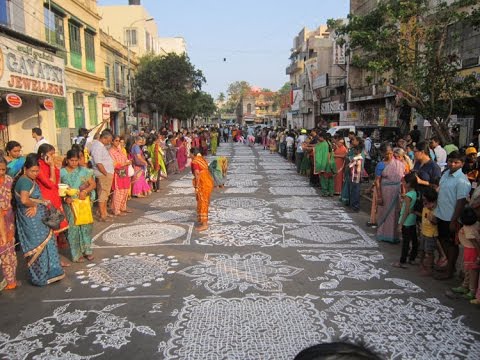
{"x":26,"y":69}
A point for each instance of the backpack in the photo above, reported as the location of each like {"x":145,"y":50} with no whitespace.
{"x":373,"y":152}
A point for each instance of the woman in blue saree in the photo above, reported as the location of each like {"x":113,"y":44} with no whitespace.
{"x":79,"y":178}
{"x":36,"y":239}
{"x":15,"y":160}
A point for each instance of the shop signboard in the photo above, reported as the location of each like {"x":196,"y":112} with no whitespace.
{"x":320,"y":81}
{"x":352,"y":116}
{"x":339,"y":54}
{"x":116,"y":104}
{"x":332,"y":107}
{"x":13,"y":100}
{"x":105,"y":111}
{"x":297,"y":98}
{"x":382,"y":117}
{"x":48,"y":104}
{"x":26,"y":69}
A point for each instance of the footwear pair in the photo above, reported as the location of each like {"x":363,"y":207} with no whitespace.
{"x":372,"y":225}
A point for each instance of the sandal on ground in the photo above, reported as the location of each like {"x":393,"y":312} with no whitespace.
{"x":459,"y":290}
{"x":106,"y":219}
{"x":89,"y":257}
{"x":442,"y":262}
{"x":201,"y":228}
{"x":127,"y":211}
{"x":475,"y":302}
{"x":399,"y":265}
{"x":64,"y":264}
{"x":469,"y":296}
{"x":120,"y":214}
{"x":79,"y":260}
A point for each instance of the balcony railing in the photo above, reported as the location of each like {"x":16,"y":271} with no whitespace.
{"x":363,"y":91}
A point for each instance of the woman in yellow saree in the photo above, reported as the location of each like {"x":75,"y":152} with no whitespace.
{"x":203,"y":184}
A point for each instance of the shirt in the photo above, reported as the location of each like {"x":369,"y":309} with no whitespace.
{"x":428,"y":228}
{"x":453,"y":187}
{"x":440,"y":157}
{"x":39,"y":142}
{"x":356,"y":169}
{"x":429,"y":171}
{"x":468,"y":234}
{"x":411,"y":219}
{"x":100,"y":155}
{"x":301,"y":139}
{"x":368,"y":147}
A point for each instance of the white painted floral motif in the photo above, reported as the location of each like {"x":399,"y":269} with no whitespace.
{"x":309,"y":203}
{"x":396,"y":328}
{"x":59,"y":336}
{"x":252,"y":327}
{"x":238,"y":235}
{"x":281,"y":172}
{"x":144,"y":234}
{"x":241,"y":183}
{"x":187,"y":183}
{"x":220,"y":273}
{"x":316,"y":216}
{"x":341,"y":235}
{"x":406,"y":287}
{"x":285,"y":190}
{"x":232,"y":215}
{"x":174,"y":202}
{"x":287,"y":182}
{"x":245,"y":177}
{"x":170,"y":215}
{"x":127,"y":272}
{"x":351,"y":264}
{"x":240,"y":190}
{"x":240,"y":203}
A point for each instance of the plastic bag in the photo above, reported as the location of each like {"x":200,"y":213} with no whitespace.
{"x":82,"y":211}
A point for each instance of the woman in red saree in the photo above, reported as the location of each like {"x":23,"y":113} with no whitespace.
{"x":121,"y":181}
{"x":203,"y":184}
{"x":48,"y":179}
{"x":340,"y":154}
{"x":181,"y":153}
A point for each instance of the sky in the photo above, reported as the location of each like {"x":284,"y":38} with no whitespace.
{"x":255,"y":37}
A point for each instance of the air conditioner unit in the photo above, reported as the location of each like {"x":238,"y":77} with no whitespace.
{"x":470,"y":62}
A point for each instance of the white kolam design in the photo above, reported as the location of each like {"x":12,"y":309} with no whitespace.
{"x":171,"y":215}
{"x":252,"y":327}
{"x":396,"y":328}
{"x":341,"y":235}
{"x":181,"y":191}
{"x":308,"y":203}
{"x":174,"y":202}
{"x":220,"y":273}
{"x":75,"y":334}
{"x":240,"y":203}
{"x":405,"y":287}
{"x":147,"y":234}
{"x":239,"y":235}
{"x":241,"y":183}
{"x":317,"y":216}
{"x":128,"y":272}
{"x":249,"y":190}
{"x":280,"y":183}
{"x":285,"y":190}
{"x":232,"y":215}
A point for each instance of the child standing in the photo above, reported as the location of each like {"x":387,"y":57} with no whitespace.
{"x":272,"y":144}
{"x":429,"y":239}
{"x":407,"y":224}
{"x":469,"y":237}
{"x":356,"y":165}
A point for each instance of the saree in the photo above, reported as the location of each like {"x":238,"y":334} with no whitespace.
{"x":36,"y":239}
{"x":204,"y":186}
{"x":8,"y":258}
{"x":139,"y":183}
{"x":345,"y":195}
{"x":79,"y":236}
{"x":214,"y":142}
{"x":340,"y":153}
{"x":181,"y":154}
{"x":218,"y":169}
{"x":15,"y":166}
{"x":324,"y":165}
{"x":388,"y":213}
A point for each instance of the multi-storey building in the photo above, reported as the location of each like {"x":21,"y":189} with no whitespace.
{"x":258,"y":107}
{"x":117,"y":60}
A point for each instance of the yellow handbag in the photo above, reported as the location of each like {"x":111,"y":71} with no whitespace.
{"x":82,"y":211}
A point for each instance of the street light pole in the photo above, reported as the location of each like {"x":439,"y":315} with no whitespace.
{"x":129,"y":84}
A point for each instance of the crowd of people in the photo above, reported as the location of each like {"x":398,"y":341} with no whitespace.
{"x":423,"y":195}
{"x":50,"y":203}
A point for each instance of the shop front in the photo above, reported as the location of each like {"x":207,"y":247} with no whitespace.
{"x":116,"y":108}
{"x":331,"y":111}
{"x":31,"y":78}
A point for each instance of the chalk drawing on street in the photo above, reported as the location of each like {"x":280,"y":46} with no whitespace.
{"x":240,"y":235}
{"x":128,"y":272}
{"x":300,"y":202}
{"x":317,"y":216}
{"x":170,"y":215}
{"x":145,"y":234}
{"x":232,"y":215}
{"x":341,"y":235}
{"x":60,"y":336}
{"x":220,"y":273}
{"x":174,"y":202}
{"x":396,"y":328}
{"x":285,"y":190}
{"x":249,"y":190}
{"x":240,"y":203}
{"x":240,"y":328}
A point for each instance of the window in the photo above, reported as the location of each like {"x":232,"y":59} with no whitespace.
{"x":249,"y":108}
{"x":108,"y":81}
{"x":148,"y":41}
{"x":4,"y":12}
{"x":61,"y":115}
{"x":92,"y":109}
{"x":90,"y":51}
{"x":54,"y":29}
{"x":75,"y":45}
{"x":78,"y":110}
{"x":131,"y":37}
{"x":122,"y":80}
{"x":116,"y":77}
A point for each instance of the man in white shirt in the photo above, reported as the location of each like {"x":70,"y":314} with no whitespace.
{"x":37,"y":135}
{"x":103,"y":168}
{"x":299,"y":150}
{"x":440,"y":153}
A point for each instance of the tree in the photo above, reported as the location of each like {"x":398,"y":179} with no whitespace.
{"x":236,"y":91}
{"x":410,"y":45}
{"x":168,"y":81}
{"x":221,"y":97}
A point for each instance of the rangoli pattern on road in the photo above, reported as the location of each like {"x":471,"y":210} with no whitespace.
{"x":220,"y":273}
{"x":60,"y":336}
{"x":396,"y":328}
{"x":286,"y":190}
{"x":239,"y":235}
{"x":127,"y":272}
{"x":232,"y":215}
{"x":251,"y":327}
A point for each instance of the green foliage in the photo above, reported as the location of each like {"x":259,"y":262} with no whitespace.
{"x":169,"y":81}
{"x":236,"y":91}
{"x":413,"y":44}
